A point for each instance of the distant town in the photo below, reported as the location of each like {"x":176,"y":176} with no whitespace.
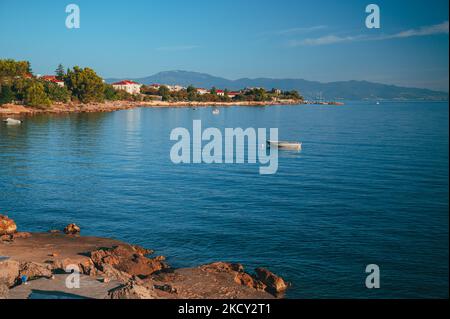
{"x":19,"y":86}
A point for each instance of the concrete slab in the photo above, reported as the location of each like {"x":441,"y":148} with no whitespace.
{"x":90,"y":288}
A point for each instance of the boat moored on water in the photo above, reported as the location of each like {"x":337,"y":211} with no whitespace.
{"x":11,"y":121}
{"x":285,"y":145}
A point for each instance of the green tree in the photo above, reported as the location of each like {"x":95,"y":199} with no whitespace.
{"x":60,"y":73}
{"x":19,"y":86}
{"x":164,"y":92}
{"x":110,"y":93}
{"x":35,"y":95}
{"x":191,"y":89}
{"x":85,"y":85}
{"x":213,"y":90}
{"x":10,"y":69}
{"x":57,"y":93}
{"x":6,"y":94}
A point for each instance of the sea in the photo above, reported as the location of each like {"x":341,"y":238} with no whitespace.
{"x":369,"y":187}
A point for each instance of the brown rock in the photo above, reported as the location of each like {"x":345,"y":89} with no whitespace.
{"x":112,"y":273}
{"x":273,"y":282}
{"x":54,"y":231}
{"x":86,"y":266}
{"x":223,"y":267}
{"x":132,"y":290}
{"x":6,"y":238}
{"x":141,"y":250}
{"x":128,"y":259}
{"x":34,"y":270}
{"x":21,"y":235}
{"x":245,"y":279}
{"x":166,"y":288}
{"x":7,"y":225}
{"x":9,"y":272}
{"x":237,"y":270}
{"x":72,"y":229}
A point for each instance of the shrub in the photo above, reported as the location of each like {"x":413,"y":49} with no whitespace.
{"x":35,"y":96}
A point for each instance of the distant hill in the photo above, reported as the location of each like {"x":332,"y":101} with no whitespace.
{"x":346,"y":90}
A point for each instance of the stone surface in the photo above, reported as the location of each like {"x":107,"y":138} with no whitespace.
{"x":223,"y":266}
{"x":132,"y":290}
{"x":90,"y":288}
{"x":7,"y":226}
{"x":9,"y":272}
{"x":4,"y":291}
{"x":21,"y":235}
{"x":120,"y":270}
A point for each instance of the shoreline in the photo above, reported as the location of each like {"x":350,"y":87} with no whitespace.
{"x":111,"y":106}
{"x":112,"y":269}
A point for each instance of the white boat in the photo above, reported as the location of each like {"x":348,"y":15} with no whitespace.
{"x":12,"y":121}
{"x":296,"y":146}
{"x":216,"y":112}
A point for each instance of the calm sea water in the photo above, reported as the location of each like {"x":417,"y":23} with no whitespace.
{"x":370,"y":186}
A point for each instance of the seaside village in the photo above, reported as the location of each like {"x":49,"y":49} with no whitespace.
{"x":135,"y":88}
{"x":67,"y":87}
{"x":154,"y":90}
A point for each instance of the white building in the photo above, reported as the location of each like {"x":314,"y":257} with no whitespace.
{"x":175,"y":88}
{"x":233,"y":94}
{"x":128,"y":86}
{"x":202,"y":91}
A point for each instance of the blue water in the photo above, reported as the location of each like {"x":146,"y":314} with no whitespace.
{"x":370,"y":186}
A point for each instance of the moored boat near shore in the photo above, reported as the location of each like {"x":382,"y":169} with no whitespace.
{"x":296,"y":146}
{"x":11,"y":121}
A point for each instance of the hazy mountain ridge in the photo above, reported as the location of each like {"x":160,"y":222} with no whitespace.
{"x":347,"y":90}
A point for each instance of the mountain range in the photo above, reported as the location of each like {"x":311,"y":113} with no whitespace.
{"x":311,"y":90}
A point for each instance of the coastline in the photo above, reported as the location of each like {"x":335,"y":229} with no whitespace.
{"x":112,"y":269}
{"x":110,"y":106}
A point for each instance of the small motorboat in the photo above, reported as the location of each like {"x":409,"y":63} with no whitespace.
{"x":296,"y":146}
{"x":11,"y":121}
{"x":216,"y":112}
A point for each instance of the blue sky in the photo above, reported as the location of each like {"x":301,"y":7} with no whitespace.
{"x":324,"y":40}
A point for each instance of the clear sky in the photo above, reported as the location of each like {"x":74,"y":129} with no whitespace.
{"x":324,"y":40}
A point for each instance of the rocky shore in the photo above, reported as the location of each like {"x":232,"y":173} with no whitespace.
{"x":36,"y":264}
{"x":59,"y":108}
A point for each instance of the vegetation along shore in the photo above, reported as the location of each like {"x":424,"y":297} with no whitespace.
{"x":82,"y":90}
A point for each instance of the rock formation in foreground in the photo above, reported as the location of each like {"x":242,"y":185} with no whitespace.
{"x":128,"y":268}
